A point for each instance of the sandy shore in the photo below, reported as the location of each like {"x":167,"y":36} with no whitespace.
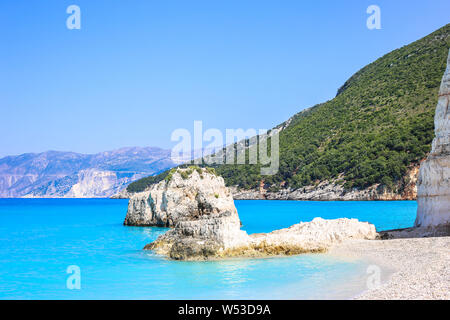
{"x":421,"y":266}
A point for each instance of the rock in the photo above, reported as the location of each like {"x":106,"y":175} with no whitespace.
{"x":139,"y":211}
{"x":206,"y":224}
{"x":122,"y":194}
{"x":221,"y":237}
{"x":332,"y":191}
{"x":434,"y":176}
{"x":442,"y":230}
{"x":185,"y":194}
{"x":317,"y":235}
{"x":204,"y":237}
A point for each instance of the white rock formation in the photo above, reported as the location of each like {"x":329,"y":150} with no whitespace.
{"x":317,"y":235}
{"x":93,"y":182}
{"x":122,"y":194}
{"x":206,"y":224}
{"x":433,"y":192}
{"x":221,"y":237}
{"x":203,"y":238}
{"x":184,"y":194}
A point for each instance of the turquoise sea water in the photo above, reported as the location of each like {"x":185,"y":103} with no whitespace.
{"x":40,"y":238}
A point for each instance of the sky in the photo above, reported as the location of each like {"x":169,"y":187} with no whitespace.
{"x":138,"y":70}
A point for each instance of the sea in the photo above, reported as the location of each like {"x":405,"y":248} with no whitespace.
{"x":80,"y":249}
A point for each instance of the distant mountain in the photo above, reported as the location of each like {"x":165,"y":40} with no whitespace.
{"x":364,"y":144}
{"x":69,"y":174}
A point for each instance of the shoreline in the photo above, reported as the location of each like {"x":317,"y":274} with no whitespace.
{"x":340,"y":199}
{"x":256,"y":199}
{"x":411,"y":268}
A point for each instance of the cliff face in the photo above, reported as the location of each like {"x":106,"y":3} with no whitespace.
{"x":434,"y":177}
{"x":326,"y":191}
{"x":184,"y":194}
{"x":88,"y":183}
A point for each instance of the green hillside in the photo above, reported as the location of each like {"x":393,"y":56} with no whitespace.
{"x":380,"y":122}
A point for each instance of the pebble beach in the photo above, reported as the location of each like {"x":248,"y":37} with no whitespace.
{"x":421,"y":266}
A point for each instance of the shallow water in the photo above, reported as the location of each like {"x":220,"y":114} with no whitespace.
{"x":40,"y":238}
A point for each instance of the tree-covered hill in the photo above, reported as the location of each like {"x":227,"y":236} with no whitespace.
{"x":379,"y":124}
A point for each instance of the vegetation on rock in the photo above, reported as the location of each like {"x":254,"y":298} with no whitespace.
{"x":187,"y":170}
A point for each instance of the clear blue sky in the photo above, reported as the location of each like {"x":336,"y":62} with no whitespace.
{"x":137,"y":70}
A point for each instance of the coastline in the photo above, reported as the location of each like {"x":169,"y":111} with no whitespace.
{"x":420,"y":266}
{"x":323,"y":191}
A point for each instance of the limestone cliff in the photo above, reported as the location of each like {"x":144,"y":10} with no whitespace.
{"x":185,"y":193}
{"x":434,"y":177}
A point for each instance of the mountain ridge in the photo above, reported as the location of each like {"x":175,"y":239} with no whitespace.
{"x":71,"y":174}
{"x":370,"y":137}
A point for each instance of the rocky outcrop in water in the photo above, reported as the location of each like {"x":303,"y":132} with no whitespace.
{"x":434,"y":178}
{"x":196,"y":203}
{"x":184,"y":194}
{"x":220,"y":237}
{"x":202,"y":237}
